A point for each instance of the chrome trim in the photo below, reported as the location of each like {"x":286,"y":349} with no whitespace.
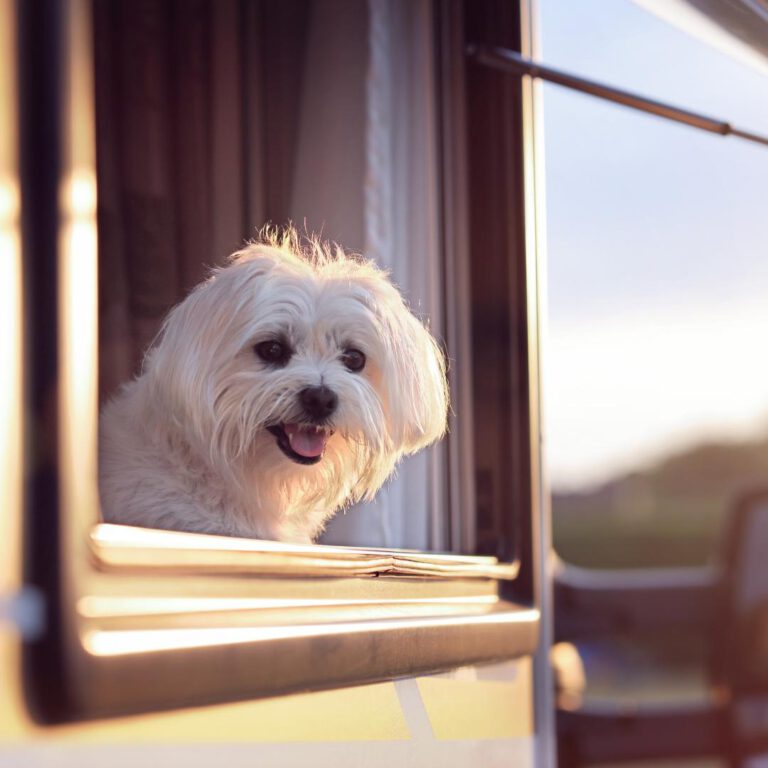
{"x":134,"y":669}
{"x":536,"y":262}
{"x":119,"y":546}
{"x":246,"y":636}
{"x":514,"y":63}
{"x":127,"y":642}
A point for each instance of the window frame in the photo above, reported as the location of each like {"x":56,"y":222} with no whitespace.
{"x":125,"y":618}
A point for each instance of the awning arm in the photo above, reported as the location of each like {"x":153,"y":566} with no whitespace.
{"x":511,"y":61}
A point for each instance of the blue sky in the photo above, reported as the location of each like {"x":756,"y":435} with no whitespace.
{"x":657,"y":246}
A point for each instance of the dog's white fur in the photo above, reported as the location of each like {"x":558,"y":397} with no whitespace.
{"x":185,"y":446}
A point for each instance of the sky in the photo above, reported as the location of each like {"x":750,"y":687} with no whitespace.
{"x":657,"y":246}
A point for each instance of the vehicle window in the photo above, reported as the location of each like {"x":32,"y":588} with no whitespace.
{"x":657,"y":413}
{"x":210,"y":120}
{"x":213,"y":122}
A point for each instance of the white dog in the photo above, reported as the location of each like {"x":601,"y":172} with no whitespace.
{"x":284,"y":387}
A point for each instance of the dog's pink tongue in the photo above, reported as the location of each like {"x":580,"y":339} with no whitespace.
{"x":306,"y":441}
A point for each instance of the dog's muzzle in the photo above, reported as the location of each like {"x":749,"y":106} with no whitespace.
{"x":304,"y":442}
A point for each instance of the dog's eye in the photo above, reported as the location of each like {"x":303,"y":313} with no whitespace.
{"x":274,"y":352}
{"x":353,"y":359}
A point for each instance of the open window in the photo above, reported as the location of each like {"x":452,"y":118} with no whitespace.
{"x":128,"y":610}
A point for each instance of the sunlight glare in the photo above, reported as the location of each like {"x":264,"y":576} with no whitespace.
{"x":626,"y":391}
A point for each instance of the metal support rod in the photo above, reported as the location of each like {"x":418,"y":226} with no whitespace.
{"x":512,"y":62}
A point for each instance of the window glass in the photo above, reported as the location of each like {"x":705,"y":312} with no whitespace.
{"x":624,"y":44}
{"x":657,"y":409}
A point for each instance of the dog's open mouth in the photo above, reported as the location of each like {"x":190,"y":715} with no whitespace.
{"x":302,"y":443}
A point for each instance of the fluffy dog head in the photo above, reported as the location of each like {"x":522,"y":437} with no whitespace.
{"x":300,"y":377}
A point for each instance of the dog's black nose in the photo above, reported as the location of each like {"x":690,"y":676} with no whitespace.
{"x":318,"y":402}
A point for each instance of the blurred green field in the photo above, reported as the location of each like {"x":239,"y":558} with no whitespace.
{"x":667,"y":514}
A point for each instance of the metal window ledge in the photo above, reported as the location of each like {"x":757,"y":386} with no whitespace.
{"x":118,"y":546}
{"x":167,"y":620}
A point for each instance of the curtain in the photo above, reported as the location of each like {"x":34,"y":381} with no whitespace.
{"x":402,"y":233}
{"x":197,"y":127}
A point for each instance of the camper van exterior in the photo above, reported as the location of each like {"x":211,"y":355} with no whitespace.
{"x":121,"y":645}
{"x":143,"y":141}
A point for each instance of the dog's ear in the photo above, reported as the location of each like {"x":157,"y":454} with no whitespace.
{"x":175,"y":364}
{"x":414,"y":378}
{"x":195,"y":336}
